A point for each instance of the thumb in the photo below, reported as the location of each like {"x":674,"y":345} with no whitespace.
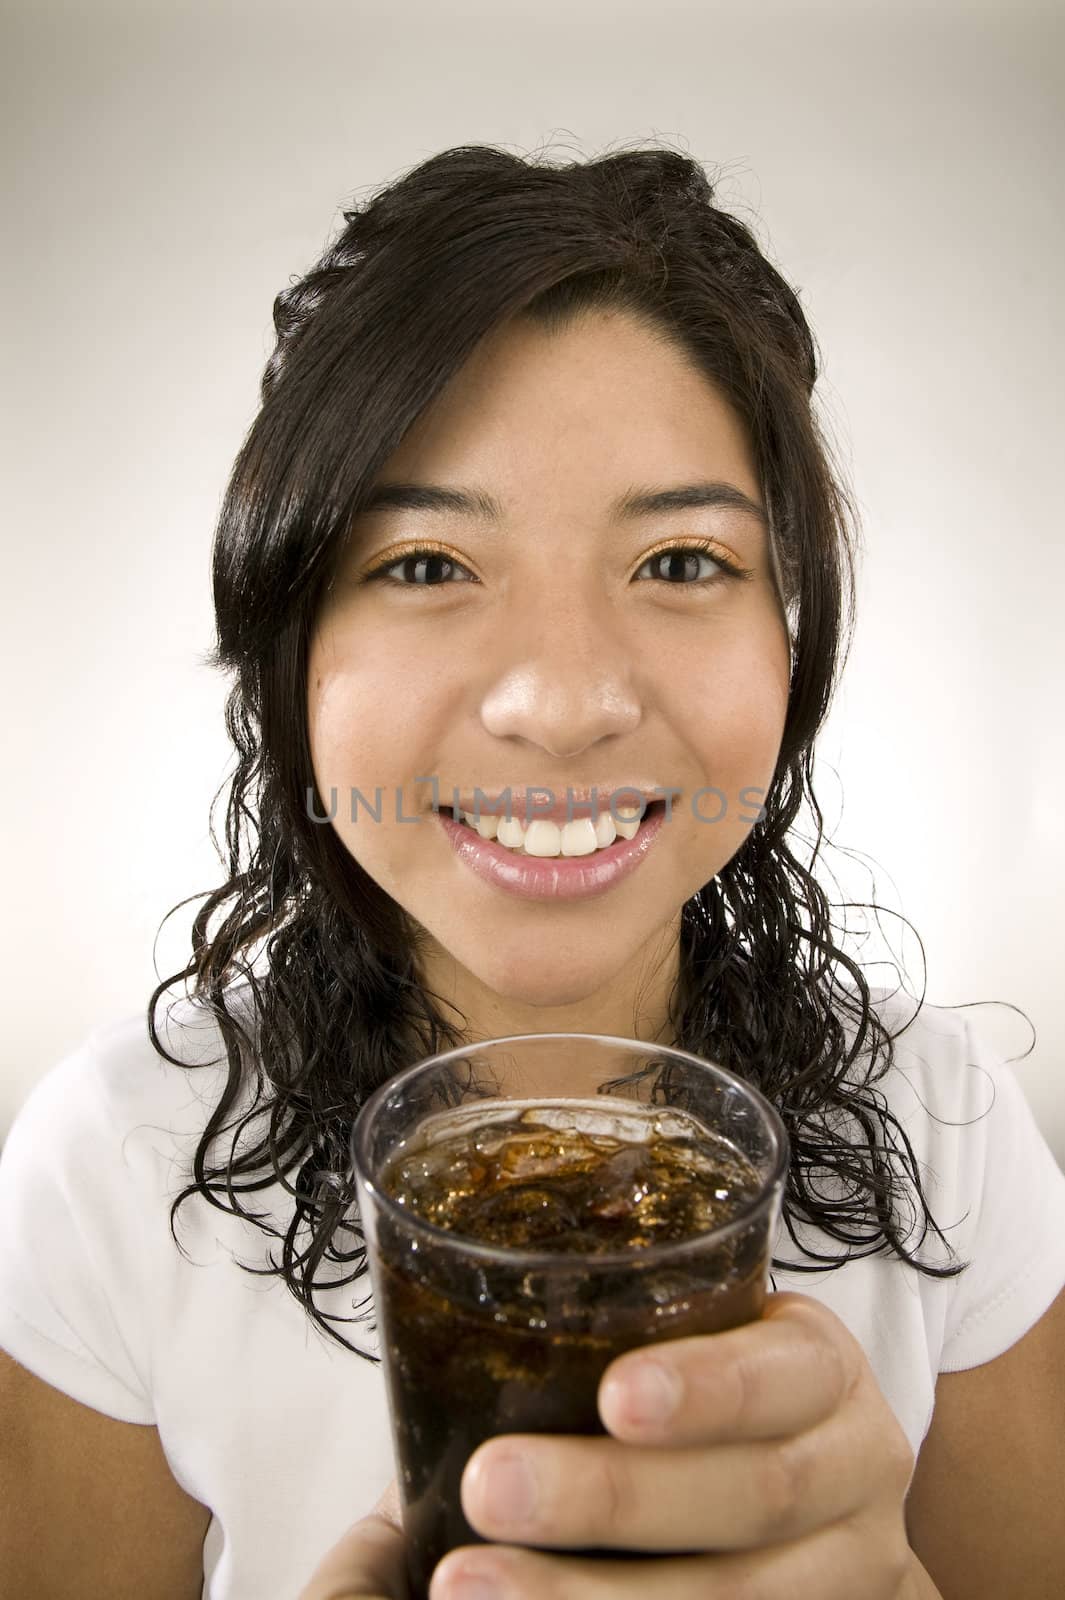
{"x":367,"y":1562}
{"x":389,"y":1506}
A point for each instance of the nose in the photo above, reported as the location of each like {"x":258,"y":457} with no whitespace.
{"x":566,"y":688}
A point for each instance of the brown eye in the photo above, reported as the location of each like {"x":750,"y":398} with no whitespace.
{"x":680,"y":566}
{"x":420,"y":569}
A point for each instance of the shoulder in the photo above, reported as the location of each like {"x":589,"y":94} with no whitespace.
{"x":92,"y":1161}
{"x":948,"y":1082}
{"x":932,"y":1039}
{"x":991,"y":1180}
{"x":113,"y":1103}
{"x":84,"y":1174}
{"x":959,"y":1117}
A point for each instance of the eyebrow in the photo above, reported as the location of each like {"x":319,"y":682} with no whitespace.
{"x":634,"y":504}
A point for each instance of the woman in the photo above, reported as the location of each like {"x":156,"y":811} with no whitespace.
{"x":536,"y":499}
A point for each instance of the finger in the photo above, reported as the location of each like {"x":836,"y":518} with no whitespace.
{"x":572,"y":1493}
{"x":389,"y":1505}
{"x":367,"y":1563}
{"x":838,"y":1563}
{"x":780,"y":1375}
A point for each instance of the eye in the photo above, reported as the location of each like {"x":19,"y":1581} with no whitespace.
{"x":425,"y":567}
{"x":683,"y":566}
{"x":421,"y":568}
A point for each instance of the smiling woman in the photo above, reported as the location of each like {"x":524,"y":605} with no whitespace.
{"x":617,"y":671}
{"x":536,"y":540}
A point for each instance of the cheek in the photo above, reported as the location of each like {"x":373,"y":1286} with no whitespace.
{"x":352,"y":701}
{"x":360,"y":752}
{"x":734,"y":708}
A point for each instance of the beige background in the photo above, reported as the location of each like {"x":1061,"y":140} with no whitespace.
{"x":170,"y":166}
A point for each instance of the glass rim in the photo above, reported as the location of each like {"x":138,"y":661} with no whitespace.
{"x":555,"y":1261}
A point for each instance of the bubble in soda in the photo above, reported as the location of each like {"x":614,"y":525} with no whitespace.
{"x":574,"y":1177}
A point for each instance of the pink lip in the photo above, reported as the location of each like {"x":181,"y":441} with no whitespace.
{"x":556,"y":877}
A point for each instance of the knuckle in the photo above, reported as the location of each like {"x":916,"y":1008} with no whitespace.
{"x":608,"y":1494}
{"x":892,"y":1463}
{"x":902,"y":1462}
{"x":829,"y":1344}
{"x":897,"y":1568}
{"x":782,"y":1488}
{"x":828,"y":1361}
{"x":738,"y":1381}
{"x":872,"y":1560}
{"x":887,"y":1557}
{"x":901,"y":1474}
{"x":804,"y":1309}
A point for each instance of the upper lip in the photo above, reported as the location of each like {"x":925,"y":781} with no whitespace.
{"x":574,"y":803}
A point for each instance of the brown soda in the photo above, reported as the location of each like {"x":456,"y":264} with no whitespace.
{"x":579,"y":1204}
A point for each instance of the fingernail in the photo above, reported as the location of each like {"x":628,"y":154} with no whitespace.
{"x":650,"y":1392}
{"x":472,"y":1587}
{"x":507,"y":1490}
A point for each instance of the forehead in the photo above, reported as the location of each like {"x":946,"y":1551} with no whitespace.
{"x":602,"y":402}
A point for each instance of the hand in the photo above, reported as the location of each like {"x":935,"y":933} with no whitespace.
{"x":770,"y":1459}
{"x":367,"y":1563}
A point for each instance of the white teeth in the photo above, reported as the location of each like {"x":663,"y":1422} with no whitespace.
{"x":628,"y":820}
{"x":486,"y":826}
{"x":579,"y":837}
{"x":510,"y":832}
{"x":605,"y":830}
{"x":543,"y":838}
{"x":576,"y":838}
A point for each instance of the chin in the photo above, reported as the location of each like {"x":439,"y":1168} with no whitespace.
{"x":546,"y":983}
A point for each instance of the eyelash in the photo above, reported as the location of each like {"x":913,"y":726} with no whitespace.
{"x":729,"y":569}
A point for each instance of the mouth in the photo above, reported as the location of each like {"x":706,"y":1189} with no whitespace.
{"x":545,"y":861}
{"x":546,"y":838}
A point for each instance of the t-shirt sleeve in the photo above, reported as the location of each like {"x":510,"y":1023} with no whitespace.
{"x":72,"y":1259}
{"x":1017,"y":1240}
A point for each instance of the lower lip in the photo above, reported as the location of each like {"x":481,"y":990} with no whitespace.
{"x":552,"y":877}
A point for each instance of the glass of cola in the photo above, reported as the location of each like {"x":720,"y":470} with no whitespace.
{"x":534,"y":1206}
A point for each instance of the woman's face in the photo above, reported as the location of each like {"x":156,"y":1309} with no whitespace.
{"x":549,"y":649}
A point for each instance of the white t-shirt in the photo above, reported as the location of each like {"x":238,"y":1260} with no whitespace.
{"x":282,"y":1432}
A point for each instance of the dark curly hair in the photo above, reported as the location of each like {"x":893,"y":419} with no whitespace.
{"x":365,"y":340}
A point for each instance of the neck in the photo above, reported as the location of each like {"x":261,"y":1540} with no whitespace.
{"x":633,"y":1004}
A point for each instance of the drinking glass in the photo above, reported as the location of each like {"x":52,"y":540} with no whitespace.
{"x":484,"y":1338}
